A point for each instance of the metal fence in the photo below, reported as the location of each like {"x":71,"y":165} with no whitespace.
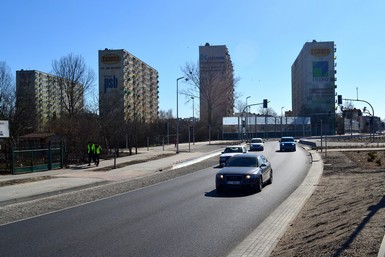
{"x":265,"y":127}
{"x":34,"y":160}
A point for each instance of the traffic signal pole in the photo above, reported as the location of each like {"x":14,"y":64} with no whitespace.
{"x":372,"y":114}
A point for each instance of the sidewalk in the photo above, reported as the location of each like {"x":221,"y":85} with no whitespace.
{"x":30,"y":186}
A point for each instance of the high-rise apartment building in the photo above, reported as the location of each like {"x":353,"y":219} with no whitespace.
{"x":216,"y":84}
{"x":313,"y":85}
{"x":128,"y":87}
{"x":39,"y":98}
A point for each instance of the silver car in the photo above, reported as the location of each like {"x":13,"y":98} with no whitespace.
{"x":246,"y":171}
{"x":229,"y":152}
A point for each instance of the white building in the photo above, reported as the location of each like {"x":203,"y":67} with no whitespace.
{"x":313,"y":84}
{"x":128,"y":86}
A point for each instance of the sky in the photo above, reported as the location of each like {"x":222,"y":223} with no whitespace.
{"x":263,"y":38}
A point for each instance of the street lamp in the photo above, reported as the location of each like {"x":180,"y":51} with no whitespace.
{"x":177,"y":116}
{"x":248,"y":110}
{"x":193,"y":121}
{"x":281,"y":119}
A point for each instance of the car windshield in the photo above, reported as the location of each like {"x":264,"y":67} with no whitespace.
{"x":287,"y":139}
{"x":233,"y":150}
{"x":242,"y":162}
{"x":256,"y":140}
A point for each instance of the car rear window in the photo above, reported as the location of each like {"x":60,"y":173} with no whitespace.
{"x":233,"y":150}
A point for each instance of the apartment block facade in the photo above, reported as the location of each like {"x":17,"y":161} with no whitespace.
{"x":216,"y":84}
{"x":128,"y":87}
{"x":313,"y":78}
{"x":39,"y":98}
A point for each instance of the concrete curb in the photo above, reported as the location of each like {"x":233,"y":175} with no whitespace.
{"x":381,"y":252}
{"x":263,"y":240}
{"x":191,"y":161}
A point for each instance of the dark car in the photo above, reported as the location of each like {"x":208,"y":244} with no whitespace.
{"x":287,"y":144}
{"x":244,"y":171}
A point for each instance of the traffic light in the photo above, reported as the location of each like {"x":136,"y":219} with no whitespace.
{"x":264,"y":103}
{"x":339,"y":99}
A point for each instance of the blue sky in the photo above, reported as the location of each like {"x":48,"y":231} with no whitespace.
{"x":263,"y":38}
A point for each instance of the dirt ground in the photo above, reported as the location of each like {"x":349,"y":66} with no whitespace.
{"x":346,"y":214}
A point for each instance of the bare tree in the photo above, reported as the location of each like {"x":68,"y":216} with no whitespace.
{"x":7,"y":92}
{"x":76,"y":79}
{"x":240,"y":105}
{"x":213,"y":89}
{"x":165,"y":115}
{"x":348,"y":105}
{"x":267,"y":111}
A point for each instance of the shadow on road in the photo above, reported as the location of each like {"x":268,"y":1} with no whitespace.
{"x":228,"y":193}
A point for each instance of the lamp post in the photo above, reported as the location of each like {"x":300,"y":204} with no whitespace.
{"x":246,"y":116}
{"x":248,"y":109}
{"x":281,"y":119}
{"x":177,"y":116}
{"x":193,"y":121}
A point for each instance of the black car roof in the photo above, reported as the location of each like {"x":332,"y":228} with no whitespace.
{"x":246,"y":155}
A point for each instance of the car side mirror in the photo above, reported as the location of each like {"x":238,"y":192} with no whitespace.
{"x":263,"y":165}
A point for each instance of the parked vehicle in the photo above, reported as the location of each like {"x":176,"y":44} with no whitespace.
{"x":245,"y":171}
{"x":229,"y":152}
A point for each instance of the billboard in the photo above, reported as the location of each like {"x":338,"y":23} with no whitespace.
{"x":4,"y":129}
{"x":110,"y":70}
{"x":321,"y":69}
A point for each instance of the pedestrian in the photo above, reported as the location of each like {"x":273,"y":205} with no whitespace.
{"x":98,"y":151}
{"x":90,"y":152}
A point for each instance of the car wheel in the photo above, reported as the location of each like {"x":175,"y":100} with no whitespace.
{"x":259,"y":184}
{"x":270,"y":181}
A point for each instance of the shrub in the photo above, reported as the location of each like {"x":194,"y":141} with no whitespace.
{"x":372,"y":156}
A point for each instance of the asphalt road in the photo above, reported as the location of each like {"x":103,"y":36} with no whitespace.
{"x":181,"y":217}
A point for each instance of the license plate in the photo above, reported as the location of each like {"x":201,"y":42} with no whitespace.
{"x":233,"y":182}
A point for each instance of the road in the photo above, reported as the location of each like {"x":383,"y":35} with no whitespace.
{"x":181,"y":217}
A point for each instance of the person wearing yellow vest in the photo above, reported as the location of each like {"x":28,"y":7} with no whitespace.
{"x":91,"y":152}
{"x":98,"y":151}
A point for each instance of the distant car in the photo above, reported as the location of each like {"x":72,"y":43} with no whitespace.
{"x":244,"y":171}
{"x":256,"y":144}
{"x":229,"y":152}
{"x":380,"y":132}
{"x":287,"y":144}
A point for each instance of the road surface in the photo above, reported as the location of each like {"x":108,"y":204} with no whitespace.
{"x":181,"y":217}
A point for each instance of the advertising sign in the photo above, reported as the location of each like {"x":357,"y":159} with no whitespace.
{"x":4,"y":129}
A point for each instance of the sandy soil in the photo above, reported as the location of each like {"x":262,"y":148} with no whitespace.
{"x":345,"y":216}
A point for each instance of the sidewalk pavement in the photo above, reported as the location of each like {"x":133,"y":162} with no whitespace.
{"x":30,"y":186}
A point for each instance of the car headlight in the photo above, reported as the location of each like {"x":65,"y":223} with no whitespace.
{"x":220,"y":176}
{"x":248,"y":177}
